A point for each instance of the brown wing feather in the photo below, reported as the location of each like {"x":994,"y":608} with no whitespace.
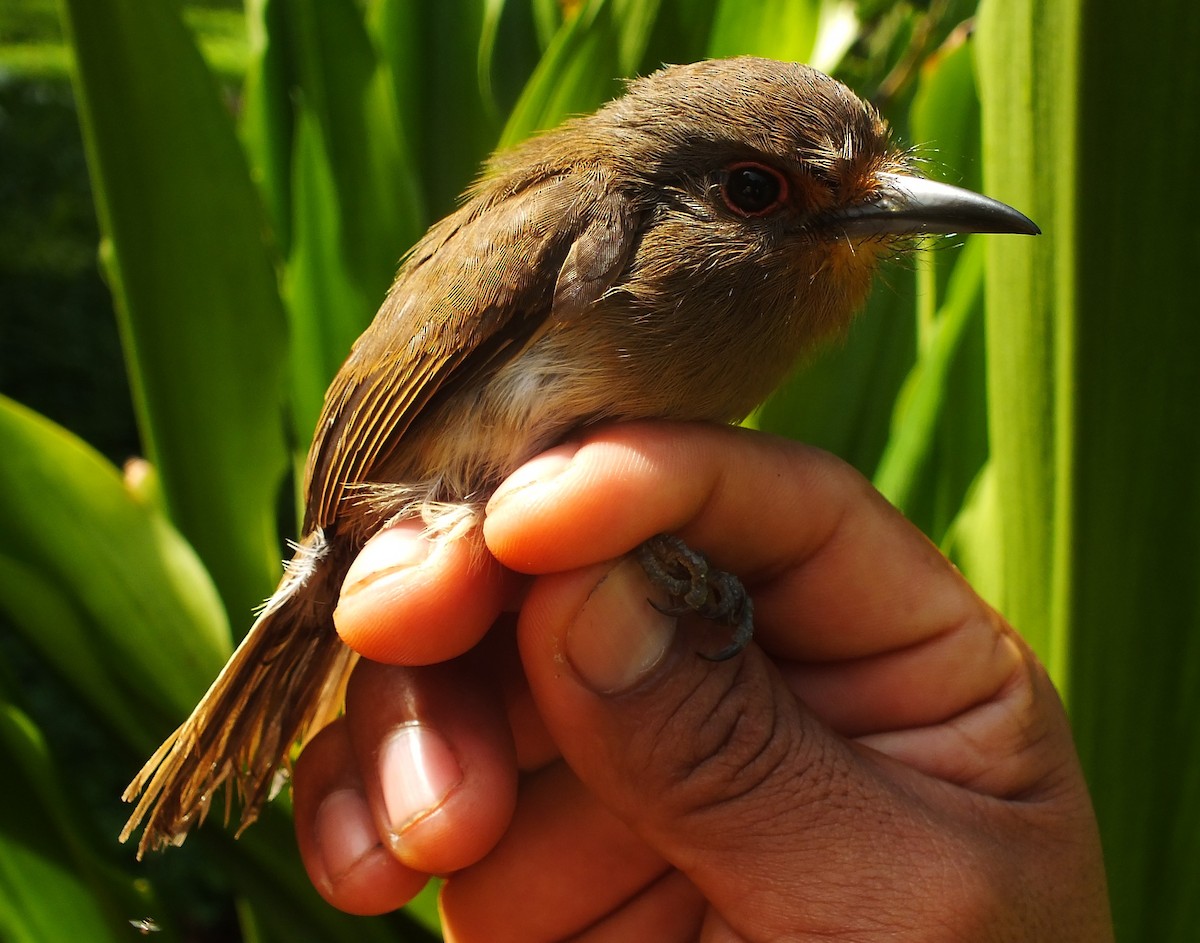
{"x":470,"y":296}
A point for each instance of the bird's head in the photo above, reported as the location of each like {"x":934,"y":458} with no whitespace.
{"x":753,"y":159}
{"x":747,"y":204}
{"x":770,"y":192}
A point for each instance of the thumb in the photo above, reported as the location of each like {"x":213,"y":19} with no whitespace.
{"x":716,"y":766}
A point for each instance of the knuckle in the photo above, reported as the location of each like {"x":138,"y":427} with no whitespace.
{"x":730,"y":737}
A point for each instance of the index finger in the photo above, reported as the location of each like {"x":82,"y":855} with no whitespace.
{"x":835,"y":571}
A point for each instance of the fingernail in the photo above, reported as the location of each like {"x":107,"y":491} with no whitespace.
{"x":345,"y":832}
{"x":393,"y":550}
{"x":618,"y":636}
{"x":536,"y":471}
{"x":417,"y":770}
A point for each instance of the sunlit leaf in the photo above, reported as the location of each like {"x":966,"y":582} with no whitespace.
{"x":101,"y":582}
{"x":193,"y":279}
{"x":777,"y":29}
{"x":432,"y":51}
{"x":1094,"y":383}
{"x":576,"y":73}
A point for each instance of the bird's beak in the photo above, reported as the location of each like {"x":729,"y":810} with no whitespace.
{"x":907,"y":205}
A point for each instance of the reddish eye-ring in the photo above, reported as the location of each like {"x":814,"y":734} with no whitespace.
{"x":751,"y":189}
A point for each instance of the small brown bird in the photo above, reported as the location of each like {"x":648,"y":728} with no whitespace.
{"x":670,"y":256}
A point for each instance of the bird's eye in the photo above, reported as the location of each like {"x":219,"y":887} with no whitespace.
{"x":753,"y":189}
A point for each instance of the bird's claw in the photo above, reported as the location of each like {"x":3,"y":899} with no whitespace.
{"x":695,"y":586}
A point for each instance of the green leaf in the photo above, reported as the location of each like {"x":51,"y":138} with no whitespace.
{"x":101,"y":583}
{"x":327,"y":307}
{"x":347,"y":86}
{"x":432,"y":51}
{"x":818,"y":32}
{"x":681,"y":33}
{"x":1094,"y":378}
{"x":1029,"y":281}
{"x":339,"y":173}
{"x":604,"y":40}
{"x":777,"y":29}
{"x":938,"y":438}
{"x":191,"y":271}
{"x":970,"y":541}
{"x":267,"y":112}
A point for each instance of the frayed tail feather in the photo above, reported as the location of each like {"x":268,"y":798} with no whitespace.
{"x":283,"y":683}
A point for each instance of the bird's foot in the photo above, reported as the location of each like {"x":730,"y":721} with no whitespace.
{"x":696,"y":586}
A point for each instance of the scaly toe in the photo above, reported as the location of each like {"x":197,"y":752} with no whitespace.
{"x":695,"y":586}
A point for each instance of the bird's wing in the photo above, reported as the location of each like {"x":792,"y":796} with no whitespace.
{"x":470,"y":296}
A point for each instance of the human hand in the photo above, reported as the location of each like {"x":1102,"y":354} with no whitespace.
{"x":886,"y":761}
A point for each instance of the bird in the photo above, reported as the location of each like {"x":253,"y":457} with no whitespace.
{"x":672,"y":255}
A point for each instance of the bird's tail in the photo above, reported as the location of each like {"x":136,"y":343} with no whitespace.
{"x":282,"y":684}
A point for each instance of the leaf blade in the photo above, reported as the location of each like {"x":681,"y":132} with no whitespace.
{"x":192,"y":274}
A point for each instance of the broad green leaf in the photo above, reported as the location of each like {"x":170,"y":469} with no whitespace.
{"x":1094,"y":383}
{"x":192,"y":276}
{"x":1028,"y":148}
{"x":776,"y":29}
{"x":344,"y":191}
{"x":101,"y":583}
{"x":56,"y":623}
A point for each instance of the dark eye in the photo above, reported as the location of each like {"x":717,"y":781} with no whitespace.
{"x":753,"y":189}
